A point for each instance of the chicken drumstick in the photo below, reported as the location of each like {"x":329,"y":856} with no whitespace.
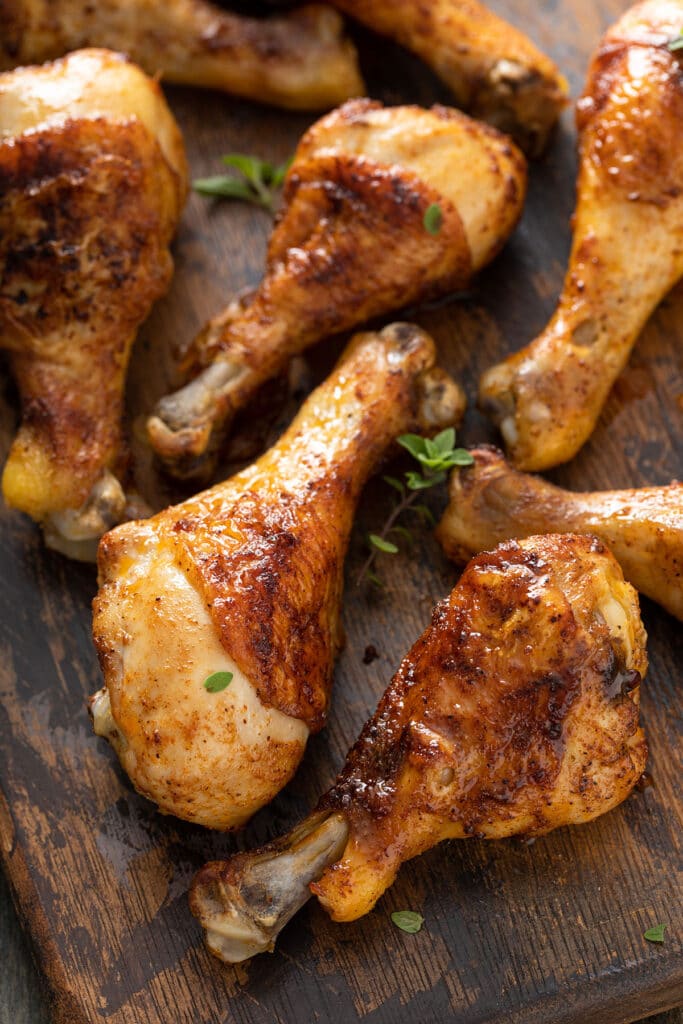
{"x":491,"y":501}
{"x":245,"y":581}
{"x":92,"y":183}
{"x":495,"y":71}
{"x":627,"y":250}
{"x":351,"y":243}
{"x":299,"y":60}
{"x":514,"y":713}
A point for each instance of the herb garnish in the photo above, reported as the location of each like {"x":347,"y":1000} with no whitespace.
{"x":218,"y":681}
{"x":676,"y":43}
{"x":655,"y":934}
{"x":433,"y":219}
{"x":258,"y":183}
{"x":408,"y":921}
{"x":435,"y":456}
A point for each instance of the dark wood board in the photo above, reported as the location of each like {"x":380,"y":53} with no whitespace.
{"x":549,"y":932}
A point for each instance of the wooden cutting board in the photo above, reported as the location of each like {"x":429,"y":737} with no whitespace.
{"x":549,"y":932}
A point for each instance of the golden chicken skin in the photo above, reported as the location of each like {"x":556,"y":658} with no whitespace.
{"x":491,"y":501}
{"x":299,"y":60}
{"x":239,"y":588}
{"x":382,"y":207}
{"x":627,"y":249}
{"x":514,"y":713}
{"x":494,"y":70}
{"x":92,"y":183}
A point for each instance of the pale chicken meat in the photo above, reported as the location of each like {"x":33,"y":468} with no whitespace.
{"x":627,"y":249}
{"x":514,"y":713}
{"x":298,"y":60}
{"x":92,"y":183}
{"x":246,"y":579}
{"x":491,"y":501}
{"x":351,"y":243}
{"x":494,"y":70}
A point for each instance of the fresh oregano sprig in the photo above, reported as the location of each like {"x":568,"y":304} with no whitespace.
{"x":258,"y":180}
{"x":435,"y":456}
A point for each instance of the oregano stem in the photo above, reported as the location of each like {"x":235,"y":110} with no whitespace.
{"x":399,"y":509}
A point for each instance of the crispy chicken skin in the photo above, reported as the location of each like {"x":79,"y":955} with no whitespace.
{"x":299,"y":60}
{"x":246,"y":578}
{"x":514,"y":713}
{"x":627,"y":249}
{"x":350,"y":243}
{"x":92,"y":183}
{"x":495,"y":71}
{"x":491,"y":501}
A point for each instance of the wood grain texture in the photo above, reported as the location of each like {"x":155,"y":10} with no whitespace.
{"x":549,"y":932}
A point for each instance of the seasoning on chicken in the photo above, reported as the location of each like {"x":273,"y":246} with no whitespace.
{"x":514,"y":713}
{"x":495,"y":71}
{"x":627,"y":250}
{"x":351,"y":243}
{"x":491,"y":501}
{"x":299,"y":60}
{"x":92,"y":184}
{"x":245,"y":580}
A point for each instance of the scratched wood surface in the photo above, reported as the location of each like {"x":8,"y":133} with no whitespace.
{"x":547,"y":932}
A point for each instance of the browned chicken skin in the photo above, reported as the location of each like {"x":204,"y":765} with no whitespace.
{"x":350,"y":244}
{"x":643,"y":527}
{"x":627,"y":250}
{"x":246,"y":578}
{"x":495,"y":71}
{"x":515,"y":712}
{"x":298,"y":60}
{"x":92,"y":183}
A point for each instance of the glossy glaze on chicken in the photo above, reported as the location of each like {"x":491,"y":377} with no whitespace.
{"x":92,"y":183}
{"x":246,"y":578}
{"x":491,"y":502}
{"x":299,"y":60}
{"x":514,"y":713}
{"x":627,"y":250}
{"x":349,"y":244}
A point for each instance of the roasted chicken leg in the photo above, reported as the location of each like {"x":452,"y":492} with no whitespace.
{"x":92,"y":183}
{"x":246,"y":579}
{"x":299,"y":59}
{"x":351,"y":243}
{"x":515,"y":712}
{"x":627,"y":250}
{"x":494,"y":70}
{"x":491,"y":502}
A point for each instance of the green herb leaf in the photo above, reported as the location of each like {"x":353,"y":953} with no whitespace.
{"x":461,"y":457}
{"x":433,"y":219}
{"x":252,"y":167}
{"x":382,"y":545}
{"x":218,"y":681}
{"x":676,"y":43}
{"x":396,"y":484}
{"x":412,"y":443}
{"x":445,"y":440}
{"x":374,"y":578}
{"x":408,"y":921}
{"x":222,"y":185}
{"x":655,"y":934}
{"x":261,"y":179}
{"x":416,"y":481}
{"x":434,"y":461}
